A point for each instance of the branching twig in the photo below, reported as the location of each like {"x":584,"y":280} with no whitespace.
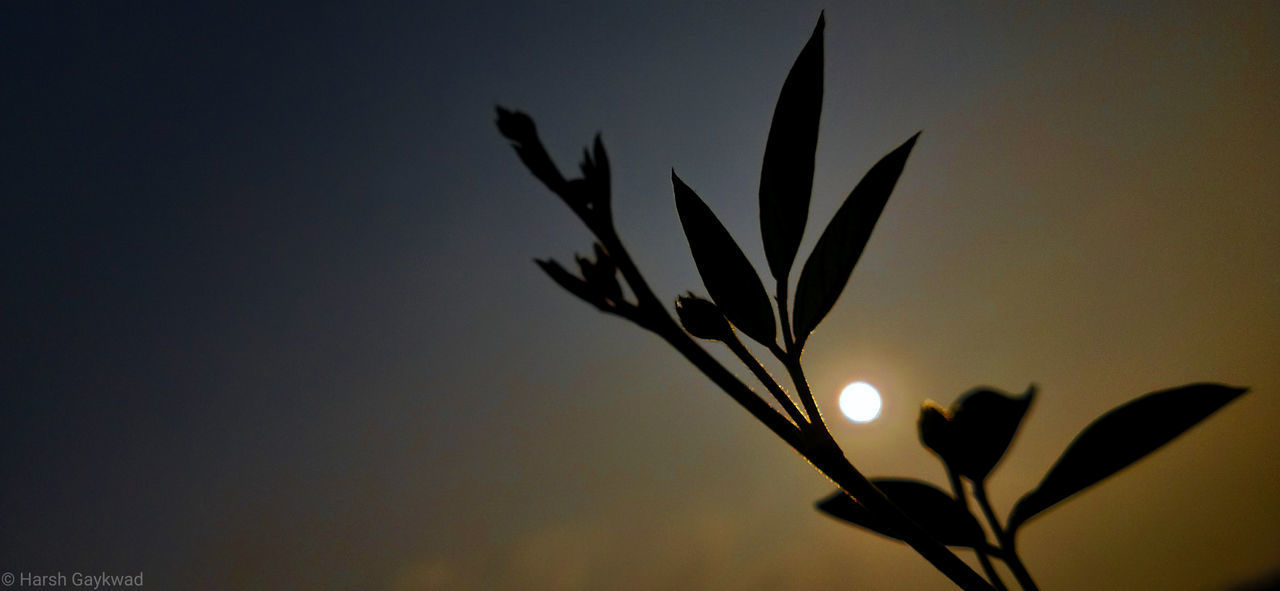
{"x":1009,"y":551}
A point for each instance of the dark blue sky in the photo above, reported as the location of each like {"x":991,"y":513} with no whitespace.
{"x":272,"y":318}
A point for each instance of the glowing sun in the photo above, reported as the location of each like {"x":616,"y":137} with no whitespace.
{"x":860,"y":402}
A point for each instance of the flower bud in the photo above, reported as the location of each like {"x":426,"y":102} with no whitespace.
{"x":516,"y":126}
{"x":702,"y":318}
{"x":974,"y":434}
{"x":935,"y":433}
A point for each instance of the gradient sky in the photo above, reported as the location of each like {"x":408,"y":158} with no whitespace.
{"x":272,"y":319}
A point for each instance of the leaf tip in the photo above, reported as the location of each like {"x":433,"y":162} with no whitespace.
{"x":911,"y":141}
{"x":679,"y":185}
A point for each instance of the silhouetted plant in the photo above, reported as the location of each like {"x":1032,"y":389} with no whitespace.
{"x":970,"y":437}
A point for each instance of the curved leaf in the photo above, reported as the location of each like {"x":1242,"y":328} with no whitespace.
{"x":938,"y":513}
{"x":1121,"y":437}
{"x":786,"y":177}
{"x":833,"y":258}
{"x":728,"y":275}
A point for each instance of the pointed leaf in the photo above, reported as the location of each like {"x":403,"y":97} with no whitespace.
{"x":727,"y":274}
{"x":833,"y":258}
{"x":786,"y":178}
{"x":1120,"y":438}
{"x":940,"y":514}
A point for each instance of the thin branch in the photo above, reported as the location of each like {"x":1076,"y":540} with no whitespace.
{"x":826,"y":455}
{"x":1008,"y":549}
{"x":652,"y":315}
{"x":981,"y":549}
{"x":817,"y":427}
{"x":784,"y":313}
{"x":814,"y":443}
{"x":770,"y":384}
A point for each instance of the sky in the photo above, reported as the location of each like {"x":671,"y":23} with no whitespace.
{"x":272,"y":318}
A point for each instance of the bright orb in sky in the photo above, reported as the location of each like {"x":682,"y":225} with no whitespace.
{"x":860,"y":402}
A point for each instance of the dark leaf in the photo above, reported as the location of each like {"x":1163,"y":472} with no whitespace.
{"x":833,"y":258}
{"x":728,"y":275}
{"x":1121,"y":437}
{"x":938,"y":513}
{"x":786,"y":178}
{"x":973,"y":436}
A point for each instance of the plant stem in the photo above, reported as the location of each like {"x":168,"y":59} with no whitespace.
{"x":770,"y":384}
{"x":784,"y":315}
{"x":958,"y":487}
{"x":1007,"y":547}
{"x":817,"y":428}
{"x":827,"y":456}
{"x":815,"y":443}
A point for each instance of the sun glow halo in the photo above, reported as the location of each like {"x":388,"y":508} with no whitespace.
{"x":860,"y":402}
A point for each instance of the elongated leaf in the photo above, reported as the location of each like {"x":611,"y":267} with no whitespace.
{"x":786,"y":177}
{"x":1121,"y":437}
{"x":728,"y":275}
{"x":828,"y":268}
{"x":940,"y":514}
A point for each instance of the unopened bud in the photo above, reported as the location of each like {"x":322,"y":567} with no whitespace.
{"x":935,"y":429}
{"x":974,"y":434}
{"x":516,"y":126}
{"x":702,"y":318}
